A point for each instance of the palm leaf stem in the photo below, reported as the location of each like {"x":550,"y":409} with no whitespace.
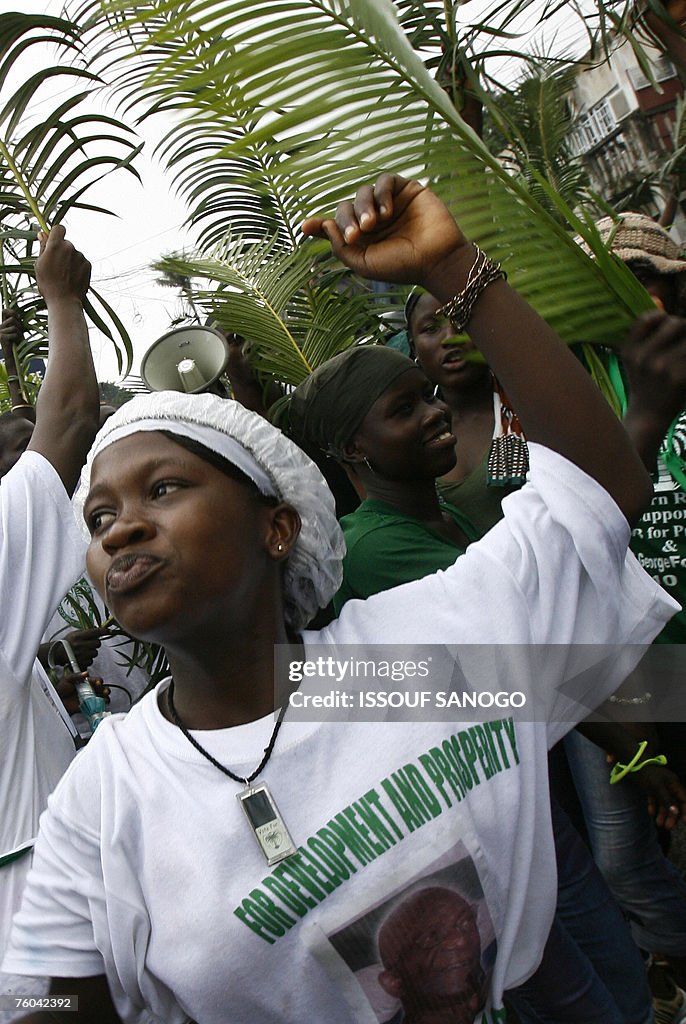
{"x":449,"y":10}
{"x":16,"y":385}
{"x":4,"y":290}
{"x":5,"y":153}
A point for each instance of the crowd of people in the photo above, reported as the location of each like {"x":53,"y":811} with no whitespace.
{"x":211,"y":855}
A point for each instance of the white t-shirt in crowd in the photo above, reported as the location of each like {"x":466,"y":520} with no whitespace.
{"x":41,"y":554}
{"x":146,"y":869}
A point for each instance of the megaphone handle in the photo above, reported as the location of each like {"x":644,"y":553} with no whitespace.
{"x":68,"y":650}
{"x":90,"y":705}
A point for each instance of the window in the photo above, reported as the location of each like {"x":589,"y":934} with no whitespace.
{"x":662,"y":70}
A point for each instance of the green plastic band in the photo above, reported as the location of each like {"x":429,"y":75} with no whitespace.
{"x":620,"y":771}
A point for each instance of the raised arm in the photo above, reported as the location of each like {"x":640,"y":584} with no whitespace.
{"x":654,"y":357}
{"x":68,"y":404}
{"x":400,"y":231}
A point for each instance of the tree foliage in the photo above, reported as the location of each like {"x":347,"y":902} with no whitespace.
{"x":280,"y":108}
{"x":301,"y":100}
{"x":530,"y":131}
{"x":49,"y":160}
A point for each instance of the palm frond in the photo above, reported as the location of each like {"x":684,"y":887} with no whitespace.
{"x":531,"y":125}
{"x":338,"y":94}
{"x":246,"y":193}
{"x":79,"y":607}
{"x":274,"y":298}
{"x":151,"y":658}
{"x":49,"y":162}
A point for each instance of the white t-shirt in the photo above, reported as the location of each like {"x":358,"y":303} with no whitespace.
{"x":146,"y":868}
{"x":41,"y":554}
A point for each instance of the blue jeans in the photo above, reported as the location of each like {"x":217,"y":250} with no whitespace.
{"x":591,"y":971}
{"x":648,"y":888}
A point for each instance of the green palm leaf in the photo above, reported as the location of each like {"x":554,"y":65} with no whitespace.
{"x":532,"y":125}
{"x":338,"y":94}
{"x":248,"y":192}
{"x":48,"y":164}
{"x":265,"y":293}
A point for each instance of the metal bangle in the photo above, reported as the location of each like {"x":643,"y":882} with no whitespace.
{"x":484,"y":271}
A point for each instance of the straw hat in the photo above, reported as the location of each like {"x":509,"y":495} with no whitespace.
{"x":636,"y":238}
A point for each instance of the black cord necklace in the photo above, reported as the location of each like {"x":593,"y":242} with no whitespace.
{"x":236,"y":778}
{"x":260,"y":809}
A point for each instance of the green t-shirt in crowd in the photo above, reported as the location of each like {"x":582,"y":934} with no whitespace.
{"x":386,"y":547}
{"x":478,"y":502}
{"x":659,"y":543}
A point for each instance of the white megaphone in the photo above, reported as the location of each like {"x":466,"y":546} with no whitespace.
{"x":188,"y":359}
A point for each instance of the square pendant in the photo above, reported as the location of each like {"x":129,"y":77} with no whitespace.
{"x":266,"y":823}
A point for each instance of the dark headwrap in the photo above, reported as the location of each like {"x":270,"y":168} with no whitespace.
{"x":410,"y":304}
{"x":327,"y":409}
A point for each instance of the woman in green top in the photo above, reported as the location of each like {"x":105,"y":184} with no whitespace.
{"x":376,"y":412}
{"x":491,"y":457}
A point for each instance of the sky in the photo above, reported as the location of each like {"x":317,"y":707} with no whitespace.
{"x":562,"y":33}
{"x":150,"y":216}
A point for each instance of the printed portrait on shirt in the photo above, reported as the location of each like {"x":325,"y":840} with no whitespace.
{"x":426,"y":950}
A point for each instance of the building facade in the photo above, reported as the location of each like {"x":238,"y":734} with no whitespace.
{"x":624,"y":126}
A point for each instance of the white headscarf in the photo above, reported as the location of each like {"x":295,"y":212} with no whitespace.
{"x":313,"y":571}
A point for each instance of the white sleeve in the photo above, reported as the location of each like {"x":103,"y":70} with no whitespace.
{"x":554,"y":571}
{"x":564,"y":542}
{"x":52,"y":933}
{"x":42,"y":553}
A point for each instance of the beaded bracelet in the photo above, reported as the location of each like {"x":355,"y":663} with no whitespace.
{"x":484,"y":271}
{"x":619,"y":771}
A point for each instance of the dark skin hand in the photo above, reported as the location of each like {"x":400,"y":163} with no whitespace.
{"x":11,"y":328}
{"x":11,"y":333}
{"x":400,"y":231}
{"x":665,"y":793}
{"x":85,"y":644}
{"x":66,"y":690}
{"x":245,"y":386}
{"x":654,"y":357}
